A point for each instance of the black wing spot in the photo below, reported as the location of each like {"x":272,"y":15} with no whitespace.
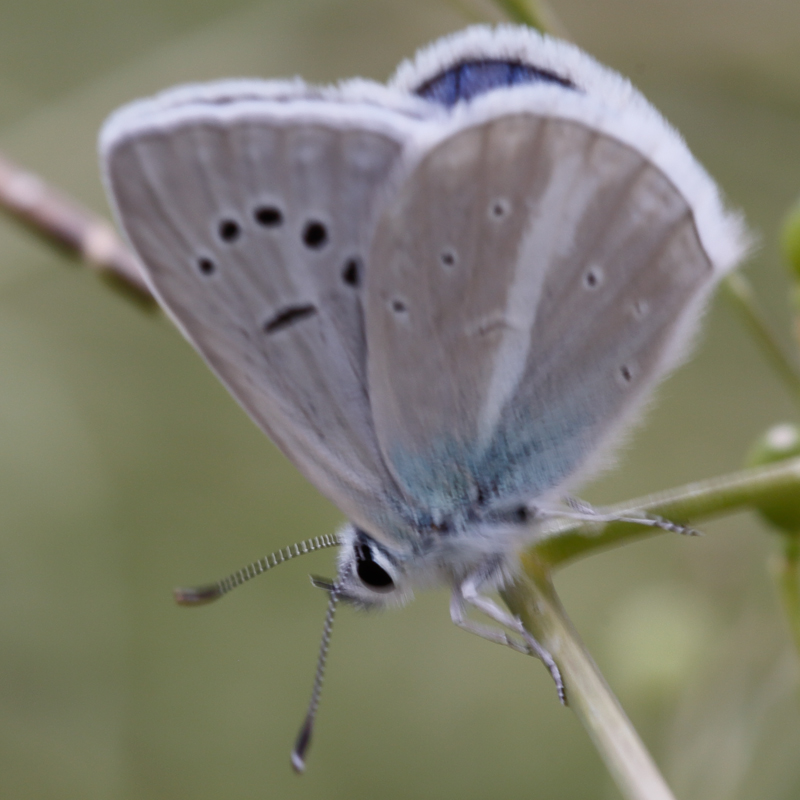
{"x":206,"y":266}
{"x":593,"y":277}
{"x":268,"y":216}
{"x":288,"y":316}
{"x":448,"y":257}
{"x":626,"y":373}
{"x":399,"y":307}
{"x":351,"y":272}
{"x":229,"y":230}
{"x":499,"y":208}
{"x":315,"y":234}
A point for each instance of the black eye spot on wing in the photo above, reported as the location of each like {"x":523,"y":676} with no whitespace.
{"x":229,"y":230}
{"x":268,"y":216}
{"x":470,"y":79}
{"x":448,"y":257}
{"x":499,"y":209}
{"x":593,"y":277}
{"x":399,"y":307}
{"x":315,"y":234}
{"x":289,"y":316}
{"x":206,"y":266}
{"x":626,"y":373}
{"x":351,"y":272}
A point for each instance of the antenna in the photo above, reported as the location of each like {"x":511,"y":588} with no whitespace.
{"x":304,"y":737}
{"x":199,"y":595}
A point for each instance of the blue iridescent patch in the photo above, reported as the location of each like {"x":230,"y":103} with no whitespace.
{"x":472,"y":78}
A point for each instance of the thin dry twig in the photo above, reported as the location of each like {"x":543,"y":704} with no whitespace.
{"x":64,"y":222}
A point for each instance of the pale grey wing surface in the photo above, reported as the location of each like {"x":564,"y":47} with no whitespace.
{"x":253,"y":231}
{"x":531,"y":281}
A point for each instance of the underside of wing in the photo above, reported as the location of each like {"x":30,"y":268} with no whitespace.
{"x":252,"y":218}
{"x":533,"y":280}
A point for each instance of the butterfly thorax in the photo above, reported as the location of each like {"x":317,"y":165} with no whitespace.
{"x":379,"y":570}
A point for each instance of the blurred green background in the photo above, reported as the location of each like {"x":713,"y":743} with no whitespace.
{"x":126,"y":469}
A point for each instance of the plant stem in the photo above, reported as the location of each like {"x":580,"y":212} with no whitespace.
{"x":740,"y":292}
{"x":564,"y":540}
{"x":533,"y":599}
{"x":74,"y":229}
{"x":787,"y":574}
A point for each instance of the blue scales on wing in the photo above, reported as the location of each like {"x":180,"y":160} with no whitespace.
{"x":469,"y":78}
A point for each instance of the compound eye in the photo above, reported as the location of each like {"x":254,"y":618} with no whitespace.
{"x":372,"y":575}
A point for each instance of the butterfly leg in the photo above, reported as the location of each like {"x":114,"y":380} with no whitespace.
{"x":458,"y":613}
{"x":467,"y":594}
{"x":581,"y":510}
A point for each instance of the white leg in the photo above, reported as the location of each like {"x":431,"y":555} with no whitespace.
{"x":580,"y":510}
{"x":458,"y":613}
{"x":468,"y":593}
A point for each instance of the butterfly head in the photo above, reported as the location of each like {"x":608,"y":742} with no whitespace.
{"x":370,"y":574}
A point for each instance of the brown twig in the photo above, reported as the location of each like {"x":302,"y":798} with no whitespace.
{"x":71,"y":227}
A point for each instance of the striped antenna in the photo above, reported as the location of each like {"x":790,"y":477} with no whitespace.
{"x":199,"y":595}
{"x":304,"y":737}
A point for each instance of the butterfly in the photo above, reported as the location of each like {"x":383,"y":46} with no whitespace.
{"x":445,"y":299}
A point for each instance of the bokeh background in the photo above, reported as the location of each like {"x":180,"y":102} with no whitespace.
{"x":126,"y":469}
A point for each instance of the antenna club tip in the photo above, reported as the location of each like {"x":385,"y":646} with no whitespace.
{"x":197,"y":595}
{"x":301,"y":745}
{"x":298,"y":763}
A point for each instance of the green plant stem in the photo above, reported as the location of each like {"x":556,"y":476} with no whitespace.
{"x":787,"y":574}
{"x":740,"y":292}
{"x":533,"y":599}
{"x":564,"y":540}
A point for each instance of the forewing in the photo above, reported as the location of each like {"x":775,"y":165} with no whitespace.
{"x":536,"y":278}
{"x":252,"y":220}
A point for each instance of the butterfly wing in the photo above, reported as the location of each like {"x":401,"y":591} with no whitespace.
{"x":533,"y":280}
{"x":251,"y":207}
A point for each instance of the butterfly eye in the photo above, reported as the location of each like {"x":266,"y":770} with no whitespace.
{"x":372,"y":574}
